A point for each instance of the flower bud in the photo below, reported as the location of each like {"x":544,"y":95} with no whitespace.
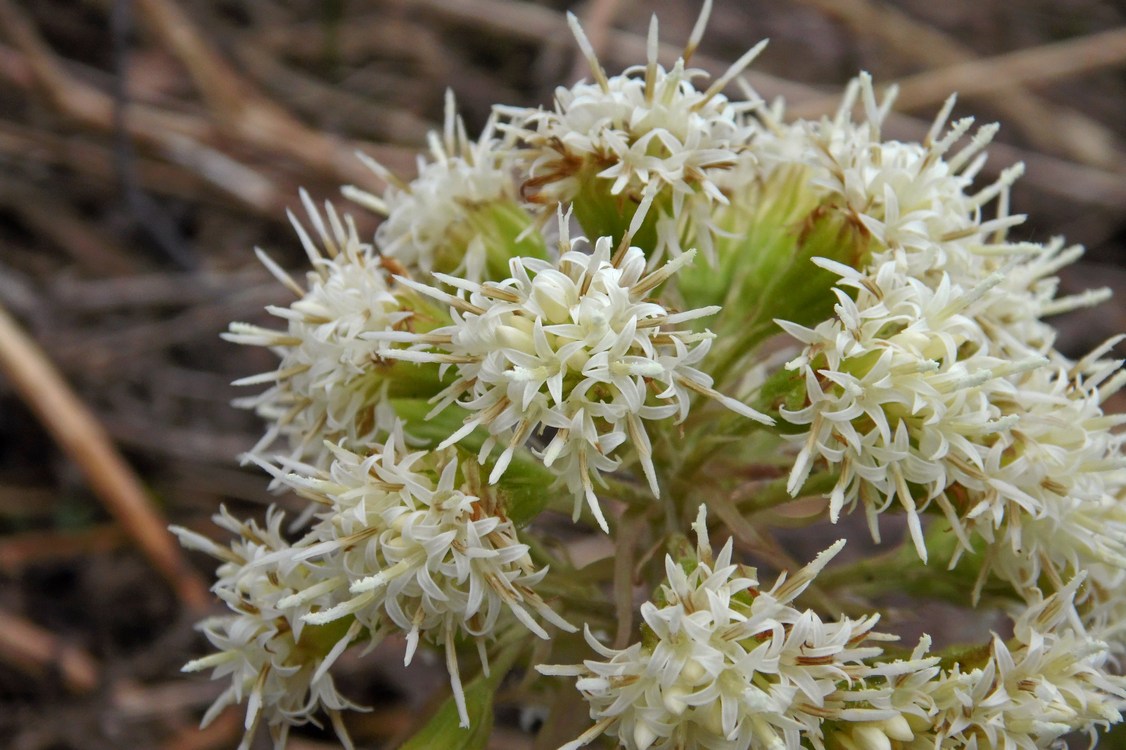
{"x":870,"y":737}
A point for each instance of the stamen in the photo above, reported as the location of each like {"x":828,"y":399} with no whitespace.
{"x":720,"y":83}
{"x":651,"y":47}
{"x":697,"y":31}
{"x":588,"y":52}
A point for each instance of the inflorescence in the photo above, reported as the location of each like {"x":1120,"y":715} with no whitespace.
{"x":570,"y":315}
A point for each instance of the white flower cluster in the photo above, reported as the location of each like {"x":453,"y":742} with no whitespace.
{"x":907,"y":195}
{"x":414,"y":542}
{"x":1049,"y":680}
{"x":398,"y":547}
{"x":919,"y":203}
{"x":1051,"y":494}
{"x":894,"y":399}
{"x":910,"y":402}
{"x":931,"y":388}
{"x":328,"y":384}
{"x":402,"y":547}
{"x":575,"y":346}
{"x":431,"y":222}
{"x":649,"y":134}
{"x":936,"y":380}
{"x":264,"y":646}
{"x":724,"y":665}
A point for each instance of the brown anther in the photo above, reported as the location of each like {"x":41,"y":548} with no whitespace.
{"x":823,"y":712}
{"x":394,"y":267}
{"x":618,"y":681}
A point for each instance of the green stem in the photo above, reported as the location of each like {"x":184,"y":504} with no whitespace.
{"x":900,"y":571}
{"x":717,"y":431}
{"x":734,"y":350}
{"x":773,"y":494}
{"x":630,"y":493}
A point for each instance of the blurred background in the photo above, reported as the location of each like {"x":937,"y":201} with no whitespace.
{"x":146,"y":147}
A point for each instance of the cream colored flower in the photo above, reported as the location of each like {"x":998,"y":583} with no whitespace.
{"x":648,"y":138}
{"x":275,"y":664}
{"x":404,"y":545}
{"x":723,"y":665}
{"x":329,"y":383}
{"x":576,"y":345}
{"x":461,"y":209}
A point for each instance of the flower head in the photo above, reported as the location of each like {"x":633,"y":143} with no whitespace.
{"x":916,"y":197}
{"x":722,"y":664}
{"x":460,"y":214}
{"x":275,"y":663}
{"x":1052,"y":678}
{"x":576,"y":345}
{"x":330,"y":381}
{"x":1048,"y":497}
{"x":901,"y":390}
{"x":920,"y":204}
{"x":924,"y":379}
{"x":647,"y":137}
{"x":407,"y":544}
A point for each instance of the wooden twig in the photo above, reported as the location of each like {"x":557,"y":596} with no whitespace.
{"x":18,"y":551}
{"x":395,"y":35}
{"x":525,"y":21}
{"x":181,"y":137}
{"x":48,"y":216}
{"x":242,"y":111}
{"x":310,"y":95}
{"x":18,"y":291}
{"x":224,"y":732}
{"x":153,"y":290}
{"x":1045,"y":123}
{"x":32,"y":649}
{"x":224,"y":91}
{"x":200,"y":483}
{"x":136,"y":701}
{"x":258,"y":125}
{"x":93,"y":161}
{"x":1043,"y":64}
{"x":20,"y":502}
{"x":147,"y":215}
{"x":98,"y":351}
{"x":184,"y":444}
{"x":46,"y":71}
{"x":84,"y":440}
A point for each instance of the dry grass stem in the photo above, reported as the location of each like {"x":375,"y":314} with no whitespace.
{"x":84,"y":440}
{"x":1047,"y":124}
{"x":32,"y":649}
{"x":1043,"y":64}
